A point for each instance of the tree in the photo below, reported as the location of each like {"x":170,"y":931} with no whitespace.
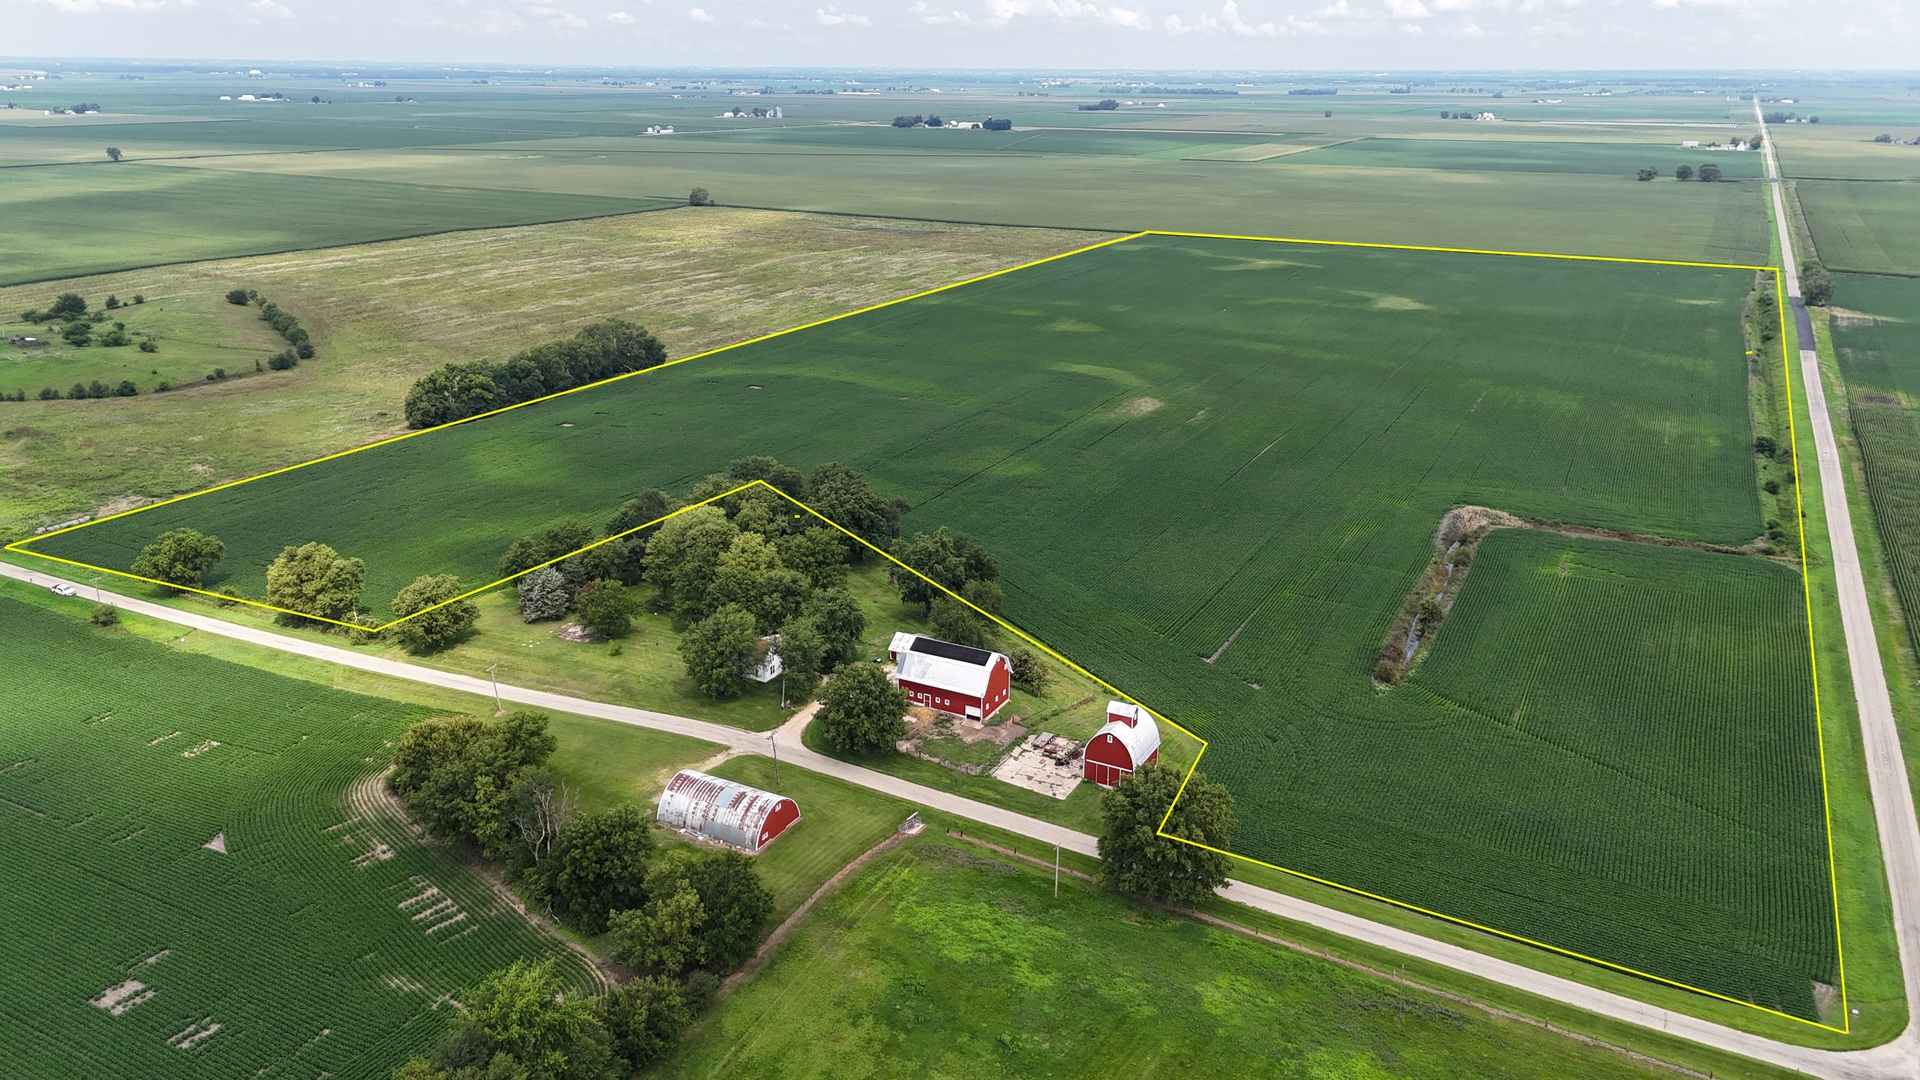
{"x":113,"y":152}
{"x":699,"y":197}
{"x":684,"y":555}
{"x":819,"y":553}
{"x":458,"y":774}
{"x":530,"y":551}
{"x":949,"y":558}
{"x":1684,"y":172}
{"x":843,"y":496}
{"x":803,"y":654}
{"x":1136,"y":858}
{"x":663,"y":938}
{"x":951,"y":620}
{"x":1647,"y":174}
{"x":179,"y":557}
{"x":648,"y":506}
{"x":702,"y":908}
{"x":644,"y":1019}
{"x":1709,"y":173}
{"x":717,"y":650}
{"x":428,"y":628}
{"x":606,"y":608}
{"x":599,"y":866}
{"x":1029,"y":673}
{"x":544,"y":595}
{"x":736,"y":902}
{"x":68,"y":306}
{"x":749,"y":575}
{"x":861,"y":710}
{"x":1883,"y":138}
{"x":452,"y":393}
{"x":837,"y":615}
{"x":526,"y":1014}
{"x":78,"y":334}
{"x":908,"y":121}
{"x":1816,"y":285}
{"x":239,"y":297}
{"x":316,"y":581}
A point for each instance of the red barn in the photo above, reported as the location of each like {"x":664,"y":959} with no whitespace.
{"x":725,"y":810}
{"x":1129,"y":740}
{"x":952,"y":678}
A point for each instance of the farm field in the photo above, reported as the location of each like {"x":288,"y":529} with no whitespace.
{"x":957,"y":962}
{"x":1875,"y":325}
{"x":295,"y":952}
{"x":1272,"y":474}
{"x":384,"y":314}
{"x":1863,"y":227}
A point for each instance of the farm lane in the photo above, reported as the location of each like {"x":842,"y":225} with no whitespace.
{"x":1894,"y":1061}
{"x":1880,"y":734}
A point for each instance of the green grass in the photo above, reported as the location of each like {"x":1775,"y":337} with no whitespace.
{"x":1866,"y":228}
{"x":1335,"y":403}
{"x":195,"y":336}
{"x":950,"y":961}
{"x":304,"y":959}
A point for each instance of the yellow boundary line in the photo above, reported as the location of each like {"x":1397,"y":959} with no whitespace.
{"x":1806,"y":588}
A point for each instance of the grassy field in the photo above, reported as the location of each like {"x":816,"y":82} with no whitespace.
{"x":952,"y":962}
{"x":296,"y":952}
{"x":384,"y":314}
{"x":1278,"y":471}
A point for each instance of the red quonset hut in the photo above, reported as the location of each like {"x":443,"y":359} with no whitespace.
{"x":1129,"y":740}
{"x":724,"y":810}
{"x":957,"y":679}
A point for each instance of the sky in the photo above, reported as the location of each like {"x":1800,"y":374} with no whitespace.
{"x":1272,"y":35}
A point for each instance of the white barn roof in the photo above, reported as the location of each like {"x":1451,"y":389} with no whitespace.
{"x":722,"y":809}
{"x":932,"y":662}
{"x":1141,"y":740}
{"x":1127,"y":713}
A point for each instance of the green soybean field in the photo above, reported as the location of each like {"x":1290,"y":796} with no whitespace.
{"x":1212,"y":471}
{"x":201,"y":880}
{"x":1876,"y":337}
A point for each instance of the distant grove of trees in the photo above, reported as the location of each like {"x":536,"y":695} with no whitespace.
{"x":283,"y":323}
{"x":601,"y":351}
{"x":80,"y":328}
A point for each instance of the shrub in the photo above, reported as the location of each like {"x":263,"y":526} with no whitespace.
{"x":1646,"y":174}
{"x":48,"y":393}
{"x":112,"y":301}
{"x":544,"y":595}
{"x":149,"y":346}
{"x":105,"y":615}
{"x":1029,"y":672}
{"x":429,"y":627}
{"x":139,"y":299}
{"x":699,"y":197}
{"x":68,"y":306}
{"x":238,"y":297}
{"x":77,"y":334}
{"x":164,"y":385}
{"x":314,"y":580}
{"x":284,"y":359}
{"x":861,"y":710}
{"x":179,"y":557}
{"x":1136,"y":859}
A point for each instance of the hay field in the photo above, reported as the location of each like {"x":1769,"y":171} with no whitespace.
{"x":1260,"y":439}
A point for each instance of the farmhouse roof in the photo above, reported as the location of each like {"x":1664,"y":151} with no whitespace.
{"x":1141,"y":739}
{"x":932,"y":662}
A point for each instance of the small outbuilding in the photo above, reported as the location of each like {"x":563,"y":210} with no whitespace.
{"x":957,"y":679}
{"x":1130,"y":740}
{"x":725,"y":810}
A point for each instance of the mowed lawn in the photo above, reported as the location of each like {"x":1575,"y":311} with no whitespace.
{"x":296,"y":952}
{"x":1172,"y":441}
{"x":951,"y":961}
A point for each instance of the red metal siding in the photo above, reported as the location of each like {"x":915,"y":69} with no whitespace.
{"x":784,"y":813}
{"x":934,"y":697}
{"x":1108,"y":761}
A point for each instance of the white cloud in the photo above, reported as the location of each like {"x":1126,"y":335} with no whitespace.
{"x":936,"y":17}
{"x":699,"y":15}
{"x":833,"y":16}
{"x":1338,"y":10}
{"x":1408,"y":9}
{"x":1230,"y":12}
{"x":82,"y":6}
{"x":619,"y":17}
{"x":1001,"y":12}
{"x":1718,"y":5}
{"x":271,"y":9}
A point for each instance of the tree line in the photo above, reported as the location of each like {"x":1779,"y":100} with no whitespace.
{"x":462,"y":390}
{"x":299,"y":344}
{"x":680,"y":917}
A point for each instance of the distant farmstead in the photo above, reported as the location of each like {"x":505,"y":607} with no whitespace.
{"x":723,"y":810}
{"x":957,"y":679}
{"x":1129,"y":741}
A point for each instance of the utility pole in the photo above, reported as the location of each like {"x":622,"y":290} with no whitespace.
{"x":1056,"y":871}
{"x":783,"y":691}
{"x":492,"y":672}
{"x":776,"y":758}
